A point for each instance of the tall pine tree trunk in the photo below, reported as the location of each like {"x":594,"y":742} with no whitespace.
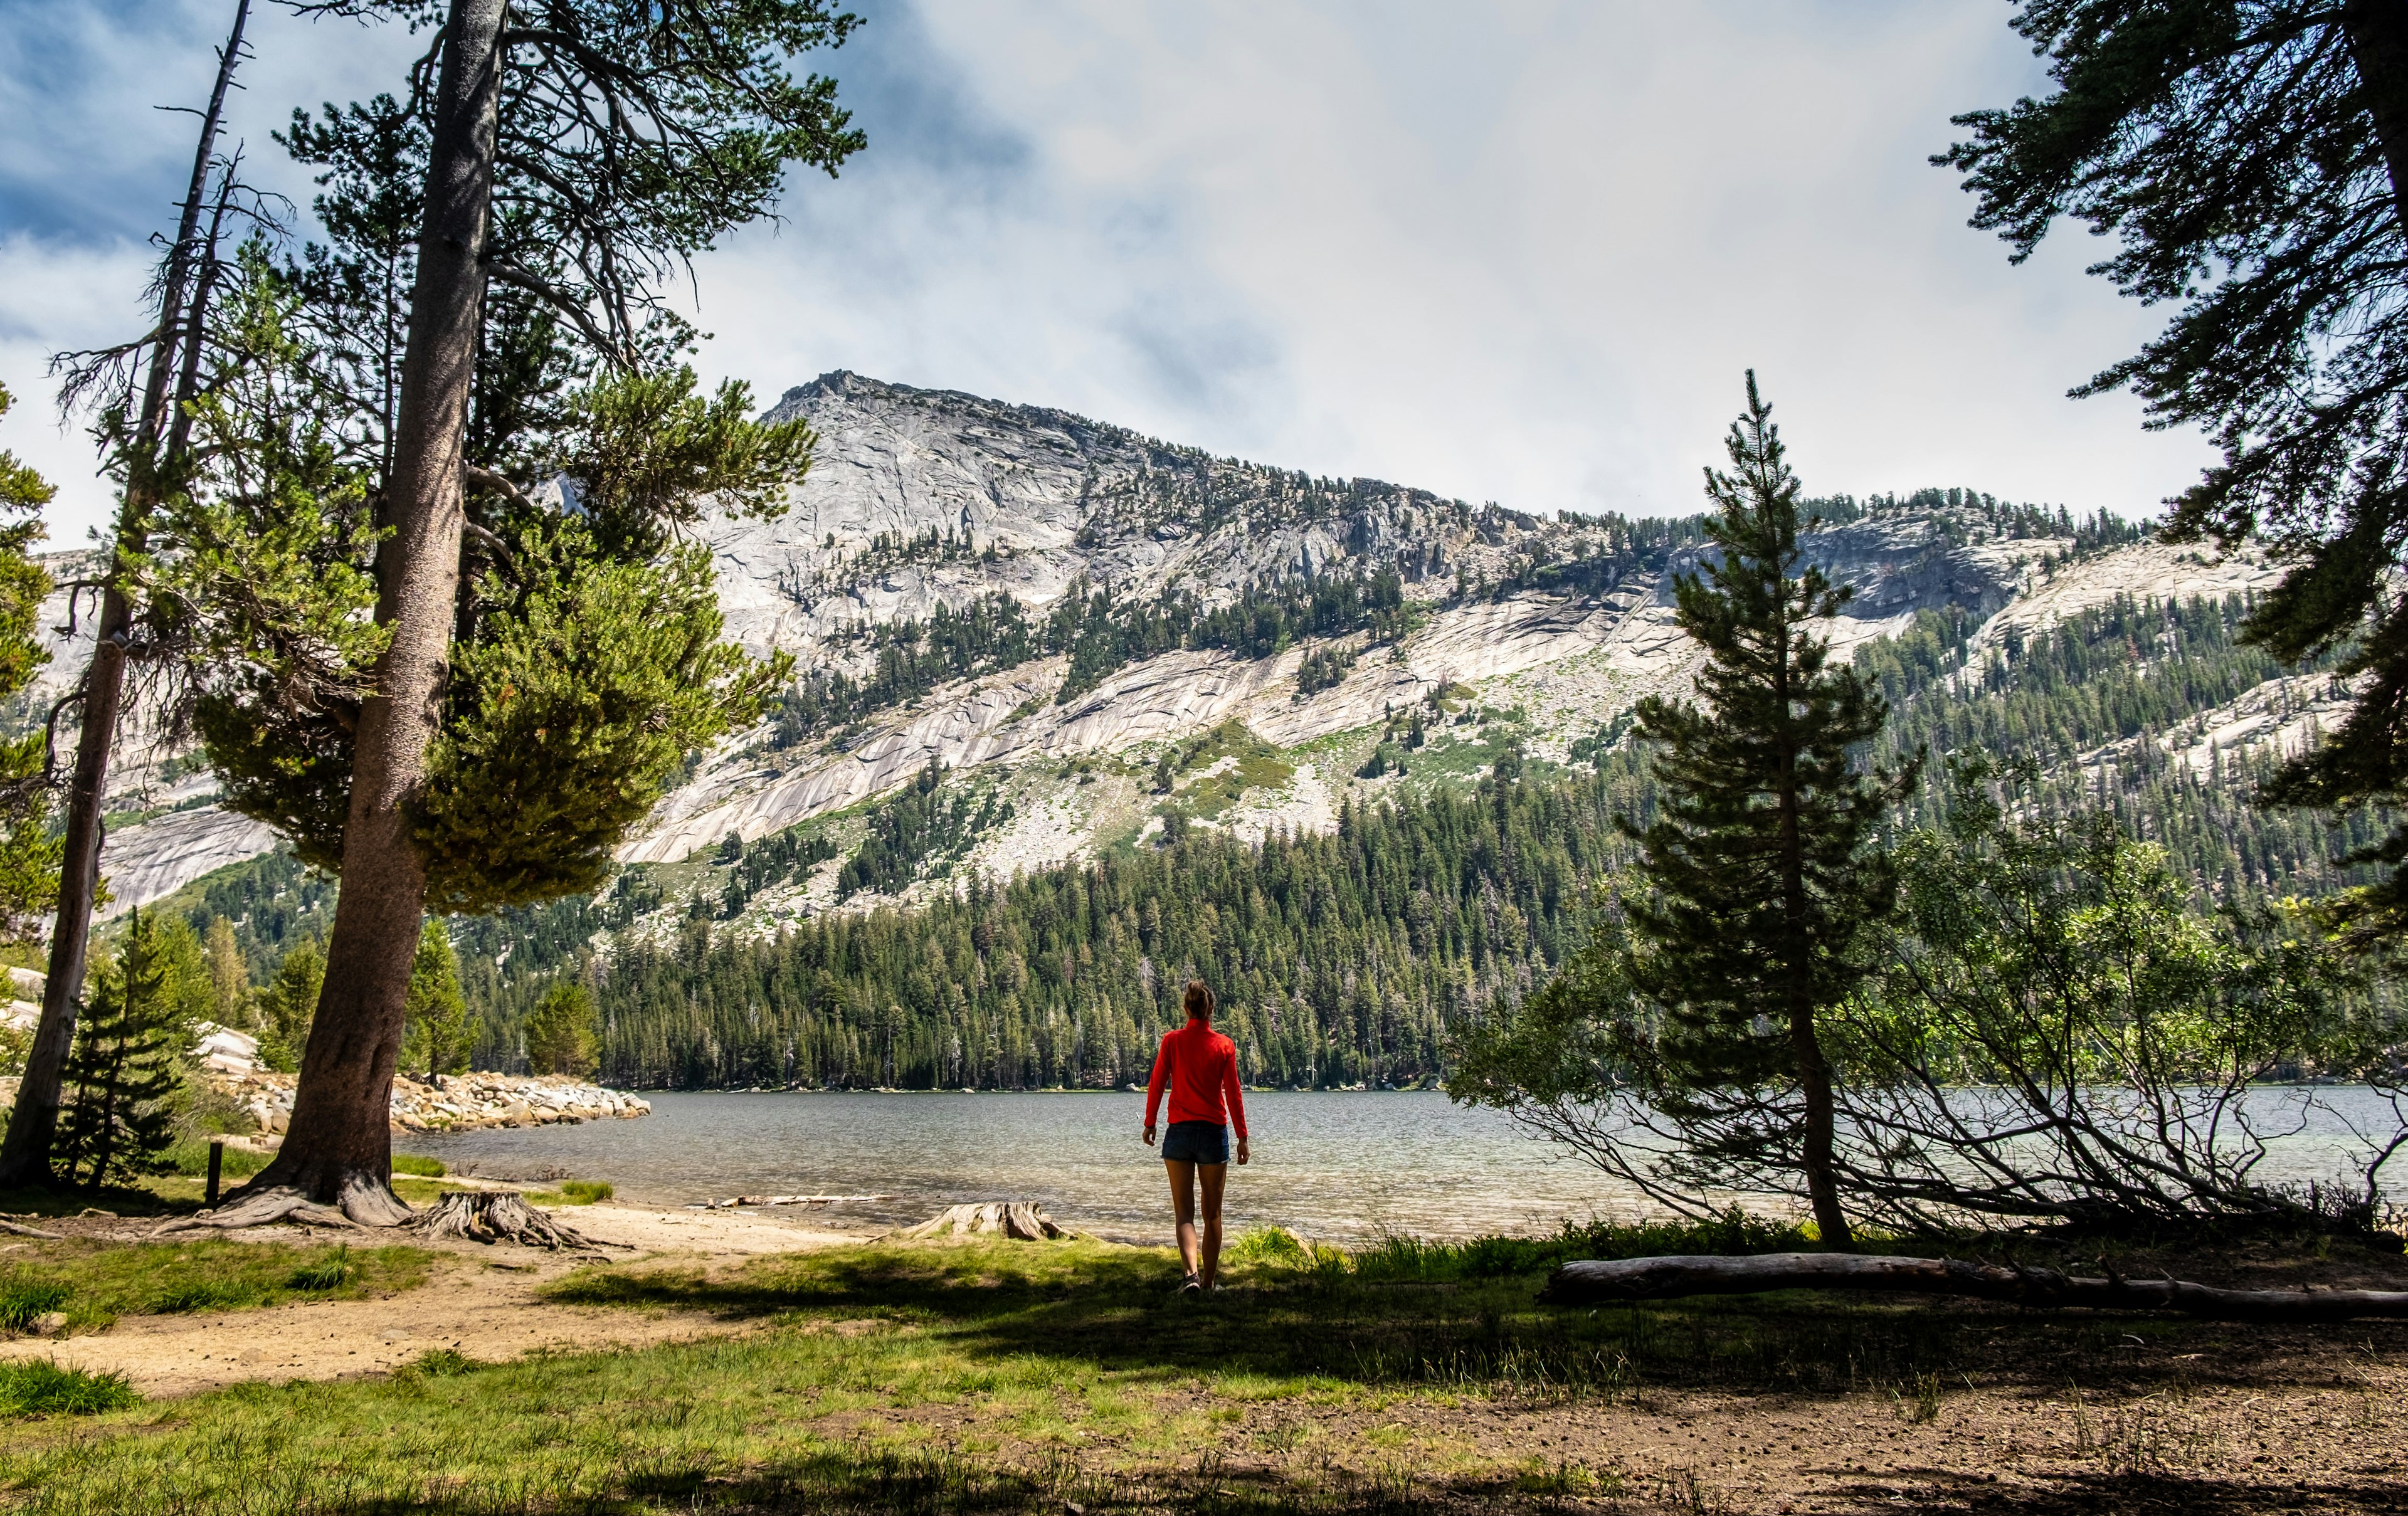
{"x":2378,"y":44}
{"x":1816,"y":1140}
{"x":338,"y":1150}
{"x":33,"y":1126}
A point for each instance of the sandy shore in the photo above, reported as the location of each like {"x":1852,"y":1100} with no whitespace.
{"x":479,"y":1300}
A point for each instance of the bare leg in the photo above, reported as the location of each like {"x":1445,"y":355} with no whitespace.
{"x":1214,"y":1176}
{"x":1182,"y":1206}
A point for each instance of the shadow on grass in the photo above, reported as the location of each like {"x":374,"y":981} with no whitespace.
{"x":890,"y":1483}
{"x":1115,"y":1308}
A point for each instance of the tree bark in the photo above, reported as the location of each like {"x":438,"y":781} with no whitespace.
{"x":1021,"y":1220}
{"x":2378,"y":44}
{"x":500,"y":1216}
{"x":338,"y":1150}
{"x":1592,"y":1282}
{"x":26,"y":1155}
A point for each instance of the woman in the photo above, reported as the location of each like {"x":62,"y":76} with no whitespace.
{"x":1200,"y":1066}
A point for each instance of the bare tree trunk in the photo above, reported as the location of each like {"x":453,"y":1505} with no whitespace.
{"x":1818,"y":1138}
{"x":26,"y":1155}
{"x":339,"y":1151}
{"x":1594,"y":1283}
{"x":2378,"y":44}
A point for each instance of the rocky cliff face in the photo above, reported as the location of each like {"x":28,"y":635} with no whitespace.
{"x":920,"y":499}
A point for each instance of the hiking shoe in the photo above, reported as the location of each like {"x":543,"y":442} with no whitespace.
{"x":1191,"y":1285}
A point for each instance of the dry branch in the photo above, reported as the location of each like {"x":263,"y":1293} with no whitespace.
{"x":21,"y":1229}
{"x":1591,"y":1282}
{"x":784,"y":1200}
{"x":1023,"y":1220}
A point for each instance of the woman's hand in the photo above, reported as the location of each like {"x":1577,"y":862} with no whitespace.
{"x":1241,"y":1150}
{"x":1149,"y":1137}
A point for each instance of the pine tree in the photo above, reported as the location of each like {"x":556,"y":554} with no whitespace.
{"x":1761,"y":877}
{"x":2248,"y":163}
{"x":560,"y":1032}
{"x":122,"y":1076}
{"x":437,"y":1036}
{"x":289,"y":1004}
{"x":231,"y":997}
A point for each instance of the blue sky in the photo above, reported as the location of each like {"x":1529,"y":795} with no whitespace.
{"x":1508,"y":251}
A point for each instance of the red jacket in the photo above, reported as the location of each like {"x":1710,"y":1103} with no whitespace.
{"x":1200,"y":1066}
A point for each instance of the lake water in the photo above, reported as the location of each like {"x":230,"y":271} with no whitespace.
{"x":1334,"y":1165}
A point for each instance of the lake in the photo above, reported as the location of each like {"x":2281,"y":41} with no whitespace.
{"x":1335,"y":1164}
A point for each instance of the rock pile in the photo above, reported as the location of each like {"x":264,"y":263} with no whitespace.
{"x":463,"y":1102}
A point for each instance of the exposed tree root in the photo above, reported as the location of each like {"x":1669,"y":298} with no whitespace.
{"x":1591,"y":1282}
{"x":493,"y":1216}
{"x":1023,"y":1220}
{"x":21,"y":1229}
{"x":262,"y":1207}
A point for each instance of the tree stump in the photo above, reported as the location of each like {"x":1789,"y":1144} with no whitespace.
{"x":492,"y":1216}
{"x":1023,"y":1220}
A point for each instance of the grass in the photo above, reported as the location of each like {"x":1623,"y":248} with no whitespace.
{"x":23,"y":1304}
{"x":40,"y":1387}
{"x":411,"y":1164}
{"x":978,"y":1376}
{"x":1257,"y":764}
{"x":94,"y":1283}
{"x":190,"y":1158}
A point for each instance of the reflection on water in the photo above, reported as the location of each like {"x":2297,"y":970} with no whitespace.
{"x":1332,"y":1164}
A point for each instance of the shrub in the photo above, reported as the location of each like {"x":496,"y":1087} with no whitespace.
{"x":40,"y":1386}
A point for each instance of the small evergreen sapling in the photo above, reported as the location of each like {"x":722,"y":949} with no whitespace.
{"x":124,"y":1074}
{"x":289,"y":1003}
{"x":437,"y":1039}
{"x":1763,"y":876}
{"x":561,"y":1032}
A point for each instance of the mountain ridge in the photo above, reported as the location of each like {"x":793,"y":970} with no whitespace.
{"x":1138,"y":578}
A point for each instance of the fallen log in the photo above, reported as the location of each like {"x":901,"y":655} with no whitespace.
{"x":491,"y":1216}
{"x":1021,"y":1221}
{"x":1594,"y":1281}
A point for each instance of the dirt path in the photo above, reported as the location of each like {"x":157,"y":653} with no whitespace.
{"x":481,"y":1301}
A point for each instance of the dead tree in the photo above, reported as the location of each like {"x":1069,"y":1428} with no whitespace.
{"x":174,"y":347}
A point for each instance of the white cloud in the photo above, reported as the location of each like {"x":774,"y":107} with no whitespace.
{"x":1520,"y":252}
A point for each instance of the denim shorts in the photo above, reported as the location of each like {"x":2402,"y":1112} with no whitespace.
{"x":1195,"y":1142}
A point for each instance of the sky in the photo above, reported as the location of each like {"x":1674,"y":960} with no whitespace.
{"x":1517,"y":252}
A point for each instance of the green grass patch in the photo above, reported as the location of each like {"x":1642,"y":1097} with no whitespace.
{"x":24,"y":1303}
{"x":95,"y":1283}
{"x":191,"y":1159}
{"x":323,"y":1274}
{"x":411,"y":1164}
{"x":41,"y":1387}
{"x":1254,"y":765}
{"x":1052,"y":1375}
{"x":587,"y":1192}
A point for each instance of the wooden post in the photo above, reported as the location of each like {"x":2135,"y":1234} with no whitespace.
{"x":217,"y":1163}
